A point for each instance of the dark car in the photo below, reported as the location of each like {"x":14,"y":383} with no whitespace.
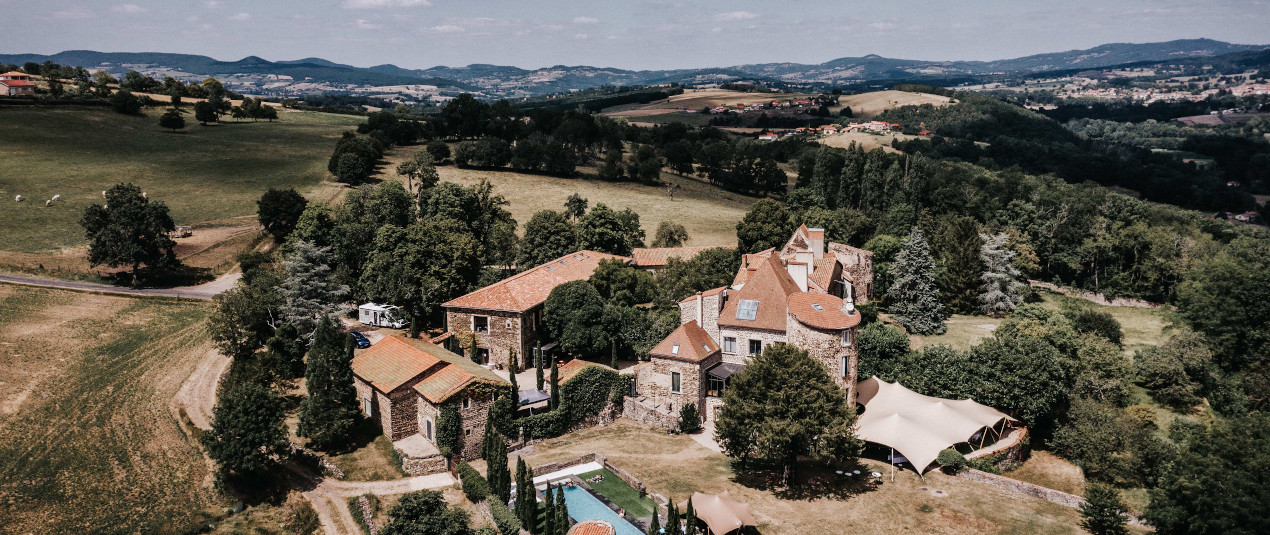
{"x":361,"y":340}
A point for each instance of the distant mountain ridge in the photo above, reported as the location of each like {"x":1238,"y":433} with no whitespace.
{"x":510,"y":81}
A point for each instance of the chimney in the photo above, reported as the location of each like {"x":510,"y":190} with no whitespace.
{"x":700,"y":311}
{"x":798,"y":272}
{"x":848,"y":296}
{"x":817,"y":244}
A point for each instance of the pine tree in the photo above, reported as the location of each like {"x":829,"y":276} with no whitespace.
{"x":654,"y":527}
{"x":538,"y":364}
{"x":555,"y":386}
{"x":526,"y":502}
{"x":959,"y":253}
{"x":1103,"y":513}
{"x":1002,"y":290}
{"x":328,"y":414}
{"x":562,"y":513}
{"x":914,"y":297}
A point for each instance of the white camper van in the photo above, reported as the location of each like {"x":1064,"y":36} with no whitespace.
{"x":379,"y":315}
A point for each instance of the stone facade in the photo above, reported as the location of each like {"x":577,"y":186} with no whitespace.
{"x":709,"y":318}
{"x":654,"y":382}
{"x":505,"y":331}
{"x":394,"y":411}
{"x":640,"y":410}
{"x":858,"y":265}
{"x":828,"y":348}
{"x":473,"y":421}
{"x":743,"y":337}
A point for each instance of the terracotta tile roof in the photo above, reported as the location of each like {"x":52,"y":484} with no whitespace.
{"x":572,"y":368}
{"x":750,"y":263}
{"x":15,"y":73}
{"x":395,"y":361}
{"x":706,"y":293}
{"x":770,"y":285}
{"x":16,"y":83}
{"x":830,"y":315}
{"x":391,"y":363}
{"x":689,"y":343}
{"x":592,"y":527}
{"x":530,"y":288}
{"x":660,"y":256}
{"x":825,"y":271}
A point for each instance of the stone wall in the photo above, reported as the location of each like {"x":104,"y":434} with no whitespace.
{"x":473,"y":419}
{"x":507,"y":331}
{"x":858,"y":265}
{"x":710,"y":315}
{"x":1092,"y":297}
{"x":640,"y":410}
{"x":826,"y":348}
{"x":423,"y":466}
{"x":654,"y":382}
{"x":743,"y":337}
{"x":395,"y":412}
{"x":561,"y":465}
{"x":1022,"y":487}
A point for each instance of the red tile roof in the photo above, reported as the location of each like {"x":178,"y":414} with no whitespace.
{"x":707,"y":293}
{"x":830,"y":315}
{"x":770,"y":285}
{"x":592,"y":527}
{"x":16,"y":83}
{"x":572,"y":368}
{"x":689,"y":343}
{"x":391,"y":363}
{"x":825,"y":271}
{"x":749,"y":263}
{"x":530,"y":288}
{"x":395,"y":361}
{"x":15,"y":73}
{"x":660,"y":256}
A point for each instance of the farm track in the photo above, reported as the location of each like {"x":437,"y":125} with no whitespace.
{"x":203,"y":291}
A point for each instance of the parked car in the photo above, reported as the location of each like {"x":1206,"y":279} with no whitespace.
{"x":361,"y":340}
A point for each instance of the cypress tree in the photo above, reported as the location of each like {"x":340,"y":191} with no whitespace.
{"x":672,"y":517}
{"x":555,"y":386}
{"x":654,"y":528}
{"x":513,"y":366}
{"x":690,"y":518}
{"x":914,"y":300}
{"x":613,"y":353}
{"x":328,"y":414}
{"x":549,"y":527}
{"x":494,"y":451}
{"x":538,"y":364}
{"x":526,"y":504}
{"x":562,"y":513}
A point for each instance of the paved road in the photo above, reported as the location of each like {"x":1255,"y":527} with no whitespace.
{"x":202,"y":291}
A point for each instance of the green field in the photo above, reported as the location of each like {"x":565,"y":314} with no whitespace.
{"x":203,"y":173}
{"x":89,"y":443}
{"x":618,"y":492}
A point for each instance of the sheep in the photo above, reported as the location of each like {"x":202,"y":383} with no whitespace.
{"x":103,"y":194}
{"x":143,"y":195}
{"x":18,"y":198}
{"x":48,"y":203}
{"x":56,"y":197}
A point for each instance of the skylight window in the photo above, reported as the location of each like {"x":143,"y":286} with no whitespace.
{"x":747,"y":309}
{"x":817,"y":307}
{"x":577,"y":257}
{"x":552,"y":268}
{"x":563,"y":263}
{"x":674,"y":350}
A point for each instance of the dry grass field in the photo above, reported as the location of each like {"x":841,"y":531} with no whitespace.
{"x":865,"y":139}
{"x":709,"y":213}
{"x":88,"y":442}
{"x":675,"y":465}
{"x":204,"y":173}
{"x":868,"y":105}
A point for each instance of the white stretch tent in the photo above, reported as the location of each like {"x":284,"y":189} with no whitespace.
{"x":721,"y":513}
{"x":918,"y":426}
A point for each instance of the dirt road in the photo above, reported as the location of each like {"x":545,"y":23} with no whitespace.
{"x":206,"y":290}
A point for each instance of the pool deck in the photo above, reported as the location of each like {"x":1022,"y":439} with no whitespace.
{"x":542,"y":480}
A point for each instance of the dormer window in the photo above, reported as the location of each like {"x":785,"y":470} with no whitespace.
{"x":817,"y":307}
{"x":747,"y":309}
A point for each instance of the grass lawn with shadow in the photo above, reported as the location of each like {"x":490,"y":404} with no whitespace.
{"x":618,"y":492}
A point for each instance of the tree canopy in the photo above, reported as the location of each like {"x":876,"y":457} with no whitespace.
{"x":129,"y":230}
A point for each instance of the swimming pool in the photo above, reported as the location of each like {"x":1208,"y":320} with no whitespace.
{"x":583,"y":506}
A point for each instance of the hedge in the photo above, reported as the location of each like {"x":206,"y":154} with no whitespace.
{"x":504,"y":518}
{"x":581,"y":397}
{"x":474,"y":485}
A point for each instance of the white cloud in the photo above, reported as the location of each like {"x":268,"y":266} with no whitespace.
{"x":882,"y":25}
{"x":73,"y":12}
{"x":585,"y":20}
{"x":240,"y":16}
{"x":580,"y":36}
{"x":128,"y":8}
{"x":716,"y":29}
{"x":213,"y":4}
{"x":736,"y":15}
{"x":381,"y":4}
{"x":363,"y":24}
{"x":446,"y":28}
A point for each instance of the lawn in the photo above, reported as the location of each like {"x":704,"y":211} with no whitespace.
{"x":1142,"y":326}
{"x":371,"y":462}
{"x":90,"y":441}
{"x":675,"y":466}
{"x":709,"y":213}
{"x":203,"y":173}
{"x":618,"y":492}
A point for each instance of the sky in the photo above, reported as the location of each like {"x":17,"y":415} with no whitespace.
{"x":632,"y":34}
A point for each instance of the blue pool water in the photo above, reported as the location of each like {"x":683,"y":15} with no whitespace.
{"x":583,"y":506}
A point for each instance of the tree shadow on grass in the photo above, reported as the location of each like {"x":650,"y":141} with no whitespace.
{"x":812,"y":480}
{"x":165,"y":278}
